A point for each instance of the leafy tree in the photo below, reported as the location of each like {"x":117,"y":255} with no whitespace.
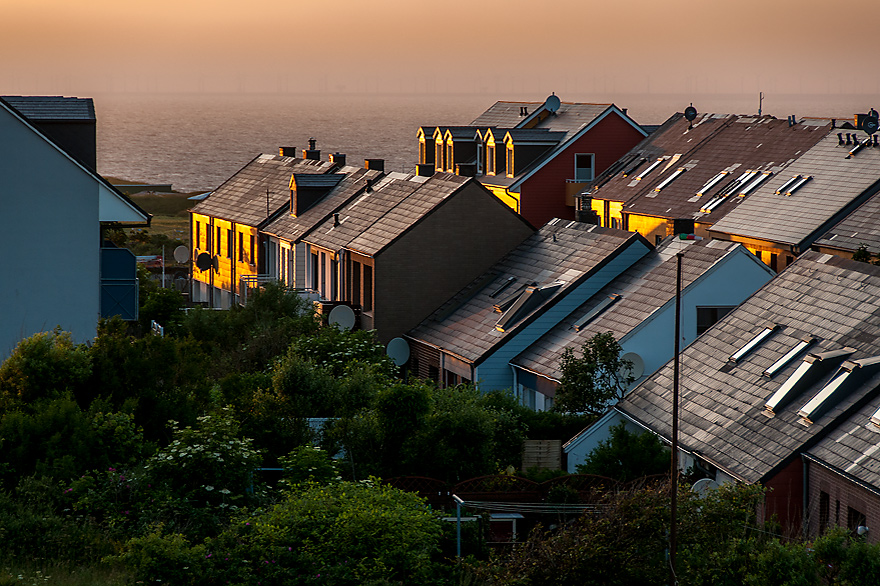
{"x":596,"y":378}
{"x":862,"y":254}
{"x":625,"y":456}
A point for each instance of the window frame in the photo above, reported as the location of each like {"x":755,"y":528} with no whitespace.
{"x":592,"y":175}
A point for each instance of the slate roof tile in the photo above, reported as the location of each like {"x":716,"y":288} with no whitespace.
{"x":53,"y":108}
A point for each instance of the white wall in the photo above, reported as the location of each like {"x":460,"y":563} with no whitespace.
{"x":50,"y":239}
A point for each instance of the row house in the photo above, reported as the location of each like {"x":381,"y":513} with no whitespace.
{"x":534,"y":156}
{"x":63,"y":274}
{"x":638,"y":309}
{"x":782,"y":391}
{"x":702,"y":171}
{"x":406,"y":243}
{"x":229,"y":251}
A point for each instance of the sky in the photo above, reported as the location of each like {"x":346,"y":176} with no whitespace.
{"x":509,"y":47}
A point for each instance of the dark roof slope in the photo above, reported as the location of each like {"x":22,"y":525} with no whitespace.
{"x":50,"y":108}
{"x":831,"y":299}
{"x":644,"y":288}
{"x":242,"y":197}
{"x":293,"y":228}
{"x":560,"y":251}
{"x":861,"y":227}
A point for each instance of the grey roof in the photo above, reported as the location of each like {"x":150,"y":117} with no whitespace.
{"x":837,"y":181}
{"x":534,"y":135}
{"x":560,"y":251}
{"x":861,"y":227}
{"x":293,"y":228}
{"x":505,"y":114}
{"x":643,"y":288}
{"x":830,"y":298}
{"x":851,"y":448}
{"x":715,"y":143}
{"x":52,"y":108}
{"x":242,"y":197}
{"x":373,"y":220}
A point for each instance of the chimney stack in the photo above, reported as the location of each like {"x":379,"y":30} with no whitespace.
{"x":374,"y":164}
{"x":338,"y":158}
{"x":312,"y":153}
{"x":287,"y":151}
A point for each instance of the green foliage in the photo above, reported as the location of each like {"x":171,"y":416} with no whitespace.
{"x":341,"y":351}
{"x":625,"y":456}
{"x":309,"y":464}
{"x":165,"y":559}
{"x":862,"y":254}
{"x":595,"y":379}
{"x":165,"y":306}
{"x":46,"y":365}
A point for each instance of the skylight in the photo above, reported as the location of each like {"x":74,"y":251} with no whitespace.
{"x":650,"y":168}
{"x":810,"y":370}
{"x":753,"y":343}
{"x":714,"y":203}
{"x":711,"y":183}
{"x":821,"y":402}
{"x":595,"y":312}
{"x":632,"y":169}
{"x":789,"y":356}
{"x":733,"y":185}
{"x":788,"y":184}
{"x":755,"y":183}
{"x":875,"y":418}
{"x":529,"y":300}
{"x":802,"y":180}
{"x":670,"y":179}
{"x":859,"y":146}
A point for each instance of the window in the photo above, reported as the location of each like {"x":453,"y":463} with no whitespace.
{"x":218,"y":243}
{"x":251,"y":258}
{"x":755,"y":183}
{"x":334,"y":266}
{"x":433,"y":371}
{"x":510,"y":160}
{"x":198,"y":242}
{"x":709,"y":316}
{"x":711,"y":183}
{"x":240,"y":247}
{"x":789,"y":356}
{"x":422,"y":152}
{"x":208,"y":239}
{"x":229,"y":242}
{"x":490,"y":160}
{"x":595,"y":312}
{"x":323,"y":272}
{"x":438,"y":156}
{"x":824,"y":511}
{"x":855,"y":519}
{"x":450,"y":159}
{"x":368,"y":289}
{"x":583,"y":167}
{"x":480,"y":155}
{"x":762,"y":335}
{"x":356,"y":282}
{"x":315,"y":268}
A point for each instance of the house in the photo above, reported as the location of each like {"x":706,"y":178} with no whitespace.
{"x":313,"y":199}
{"x":229,"y":251}
{"x":406,"y":244}
{"x":797,"y":207}
{"x":860,"y":228}
{"x":57,"y":271}
{"x":767,"y":383}
{"x":478,"y":330}
{"x":534,"y":156}
{"x":638,"y":308}
{"x":701,"y":171}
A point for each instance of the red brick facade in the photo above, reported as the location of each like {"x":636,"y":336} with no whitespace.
{"x":843,"y":497}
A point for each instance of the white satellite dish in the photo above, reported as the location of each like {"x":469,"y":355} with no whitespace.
{"x":638,"y":365}
{"x":181,"y":253}
{"x":342,"y":316}
{"x":398,"y":351}
{"x":703,"y":486}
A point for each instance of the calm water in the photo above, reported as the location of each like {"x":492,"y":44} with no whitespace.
{"x":197,"y":141}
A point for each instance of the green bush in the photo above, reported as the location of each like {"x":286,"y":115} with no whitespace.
{"x":626,"y":456}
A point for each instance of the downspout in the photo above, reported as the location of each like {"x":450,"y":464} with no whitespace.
{"x":515,"y":385}
{"x":806,"y":496}
{"x":233,"y":284}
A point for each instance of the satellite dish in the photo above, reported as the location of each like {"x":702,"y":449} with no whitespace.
{"x":181,"y":254}
{"x":871,"y":124}
{"x":638,"y":365}
{"x":215,"y":262}
{"x":398,"y":351}
{"x":690,"y":113}
{"x":703,"y":486}
{"x":203,"y":261}
{"x":342,"y":316}
{"x":552,"y":103}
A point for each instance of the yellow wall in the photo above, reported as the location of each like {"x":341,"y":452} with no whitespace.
{"x":510,"y":199}
{"x":648,"y":226}
{"x":230,"y":270}
{"x":615,"y":212}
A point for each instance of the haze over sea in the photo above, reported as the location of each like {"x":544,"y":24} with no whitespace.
{"x":196,"y":141}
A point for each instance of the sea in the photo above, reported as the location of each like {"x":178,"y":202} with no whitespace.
{"x":196,"y":141}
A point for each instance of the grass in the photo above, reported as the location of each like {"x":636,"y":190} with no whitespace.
{"x":56,"y":573}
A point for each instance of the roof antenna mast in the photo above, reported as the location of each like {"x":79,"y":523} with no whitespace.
{"x":760,"y":102}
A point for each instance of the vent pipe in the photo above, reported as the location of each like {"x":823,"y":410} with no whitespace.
{"x":848,"y":139}
{"x":335,"y":220}
{"x":840,"y":139}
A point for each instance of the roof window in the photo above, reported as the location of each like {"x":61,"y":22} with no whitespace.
{"x":529,"y":300}
{"x":712,"y":182}
{"x":813,"y":367}
{"x":789,"y":356}
{"x":761,"y":178}
{"x":670,"y":179}
{"x":507,"y":283}
{"x":596,"y":311}
{"x":636,"y":165}
{"x":713,"y":203}
{"x":841,"y":384}
{"x":859,"y":146}
{"x":753,"y":343}
{"x":650,"y":168}
{"x":794,"y":184}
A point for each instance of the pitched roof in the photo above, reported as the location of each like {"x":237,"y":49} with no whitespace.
{"x":52,"y":108}
{"x":373,"y":220}
{"x":293,"y":228}
{"x":559,"y":252}
{"x":644,"y":288}
{"x":242,"y":197}
{"x":837,"y":181}
{"x":723,"y":403}
{"x":715,"y":144}
{"x":860,"y":227}
{"x":851,"y":448}
{"x":505,"y":114}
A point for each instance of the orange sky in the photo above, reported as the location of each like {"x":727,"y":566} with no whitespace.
{"x":499,"y":47}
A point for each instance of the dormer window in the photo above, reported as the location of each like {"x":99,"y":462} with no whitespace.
{"x":490,"y":159}
{"x":510,"y":159}
{"x":450,"y":156}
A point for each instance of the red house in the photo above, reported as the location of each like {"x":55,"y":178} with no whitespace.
{"x":534,"y":156}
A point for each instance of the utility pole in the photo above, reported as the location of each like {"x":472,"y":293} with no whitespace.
{"x":673,"y":475}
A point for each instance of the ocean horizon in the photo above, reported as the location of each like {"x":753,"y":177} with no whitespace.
{"x":196,"y":141}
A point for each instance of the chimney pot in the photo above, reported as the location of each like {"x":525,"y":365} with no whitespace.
{"x":840,"y":138}
{"x":335,"y":219}
{"x":338,"y":158}
{"x":312,"y":143}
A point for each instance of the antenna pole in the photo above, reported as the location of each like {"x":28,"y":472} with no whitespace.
{"x":760,"y":102}
{"x":673,"y":475}
{"x":267,"y":202}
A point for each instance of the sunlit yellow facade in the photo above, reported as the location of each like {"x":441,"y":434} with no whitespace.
{"x":233,"y":249}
